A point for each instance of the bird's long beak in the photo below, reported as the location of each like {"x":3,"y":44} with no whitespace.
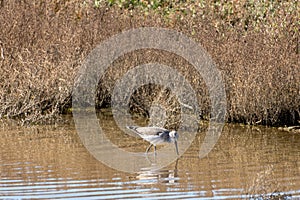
{"x":176,"y":147}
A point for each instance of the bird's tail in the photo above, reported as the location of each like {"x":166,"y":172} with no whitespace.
{"x":133,"y":129}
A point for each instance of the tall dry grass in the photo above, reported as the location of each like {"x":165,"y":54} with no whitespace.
{"x":256,"y":47}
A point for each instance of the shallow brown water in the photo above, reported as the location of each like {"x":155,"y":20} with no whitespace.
{"x":51,"y":162}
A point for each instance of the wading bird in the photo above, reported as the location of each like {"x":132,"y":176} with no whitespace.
{"x":155,"y":135}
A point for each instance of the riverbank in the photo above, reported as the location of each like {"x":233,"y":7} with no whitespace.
{"x":254,"y":45}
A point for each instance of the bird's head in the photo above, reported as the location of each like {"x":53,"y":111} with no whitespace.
{"x":173,"y":135}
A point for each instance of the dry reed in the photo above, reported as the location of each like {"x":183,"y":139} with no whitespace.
{"x":256,"y":47}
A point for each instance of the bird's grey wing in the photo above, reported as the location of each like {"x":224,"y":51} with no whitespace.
{"x":152,"y":130}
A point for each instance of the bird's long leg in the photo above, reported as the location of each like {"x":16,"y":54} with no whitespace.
{"x":149,"y":148}
{"x":155,"y":149}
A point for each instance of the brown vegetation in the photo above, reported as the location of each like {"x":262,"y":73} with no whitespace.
{"x":43,"y":44}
